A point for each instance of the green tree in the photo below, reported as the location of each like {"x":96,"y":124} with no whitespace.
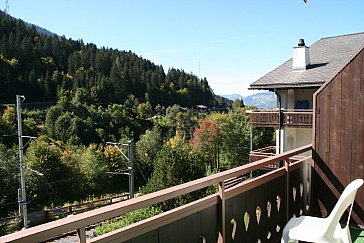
{"x":180,"y":119}
{"x":238,"y":103}
{"x":115,"y":162}
{"x":52,"y":116}
{"x":57,"y":180}
{"x":10,"y":118}
{"x":114,"y":159}
{"x":235,"y":138}
{"x":147,"y":149}
{"x":8,"y":127}
{"x":175,"y":164}
{"x":144,"y":110}
{"x":263,"y":137}
{"x":9,"y":177}
{"x":93,"y":169}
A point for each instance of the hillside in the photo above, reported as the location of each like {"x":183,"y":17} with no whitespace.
{"x":46,"y":67}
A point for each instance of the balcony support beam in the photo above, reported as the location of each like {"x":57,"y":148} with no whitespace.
{"x":81,"y":235}
{"x":222,"y":232}
{"x":286,"y":167}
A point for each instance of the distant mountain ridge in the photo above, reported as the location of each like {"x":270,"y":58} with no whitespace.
{"x":233,"y":97}
{"x":265,"y":100}
{"x":40,"y":29}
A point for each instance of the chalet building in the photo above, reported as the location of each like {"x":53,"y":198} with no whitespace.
{"x":295,"y":82}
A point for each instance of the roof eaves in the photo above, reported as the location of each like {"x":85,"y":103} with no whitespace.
{"x":340,"y":70}
{"x":285,"y":86}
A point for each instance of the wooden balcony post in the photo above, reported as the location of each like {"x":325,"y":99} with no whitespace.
{"x":286,"y":167}
{"x":221,"y":238}
{"x":81,"y":234}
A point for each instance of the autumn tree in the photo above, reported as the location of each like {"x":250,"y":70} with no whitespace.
{"x":205,"y":141}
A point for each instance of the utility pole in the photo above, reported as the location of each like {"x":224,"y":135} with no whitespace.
{"x":251,"y":148}
{"x":6,"y":10}
{"x":130,"y":167}
{"x":130,"y":159}
{"x":22,"y":201}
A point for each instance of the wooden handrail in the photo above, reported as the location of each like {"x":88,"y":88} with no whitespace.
{"x":81,"y":221}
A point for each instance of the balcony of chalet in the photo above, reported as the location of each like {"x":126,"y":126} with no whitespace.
{"x":255,"y":210}
{"x":290,"y":118}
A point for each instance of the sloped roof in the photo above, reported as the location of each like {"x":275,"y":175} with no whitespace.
{"x":327,"y":57}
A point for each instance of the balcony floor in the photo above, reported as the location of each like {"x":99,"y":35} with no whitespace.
{"x":357,"y":235}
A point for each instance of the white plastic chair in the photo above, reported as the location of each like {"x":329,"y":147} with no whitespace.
{"x":313,"y":229}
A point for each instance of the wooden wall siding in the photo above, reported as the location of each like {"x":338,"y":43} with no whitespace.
{"x":339,"y":128}
{"x":300,"y":185}
{"x":267,"y":227}
{"x":249,"y":203}
{"x":189,"y":229}
{"x":192,"y":228}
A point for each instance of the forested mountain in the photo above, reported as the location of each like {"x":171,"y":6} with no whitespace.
{"x":43,"y":67}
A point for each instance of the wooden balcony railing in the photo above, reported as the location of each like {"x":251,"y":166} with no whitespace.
{"x":297,"y":118}
{"x":264,"y":118}
{"x":255,"y":210}
{"x":262,"y":153}
{"x":291,"y":118}
{"x":268,"y":152}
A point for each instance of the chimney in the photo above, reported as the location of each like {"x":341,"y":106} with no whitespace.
{"x":301,"y":56}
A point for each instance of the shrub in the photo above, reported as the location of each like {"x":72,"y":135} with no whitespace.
{"x":127,"y":219}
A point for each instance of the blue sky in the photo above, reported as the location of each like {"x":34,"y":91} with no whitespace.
{"x":231,"y":43}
